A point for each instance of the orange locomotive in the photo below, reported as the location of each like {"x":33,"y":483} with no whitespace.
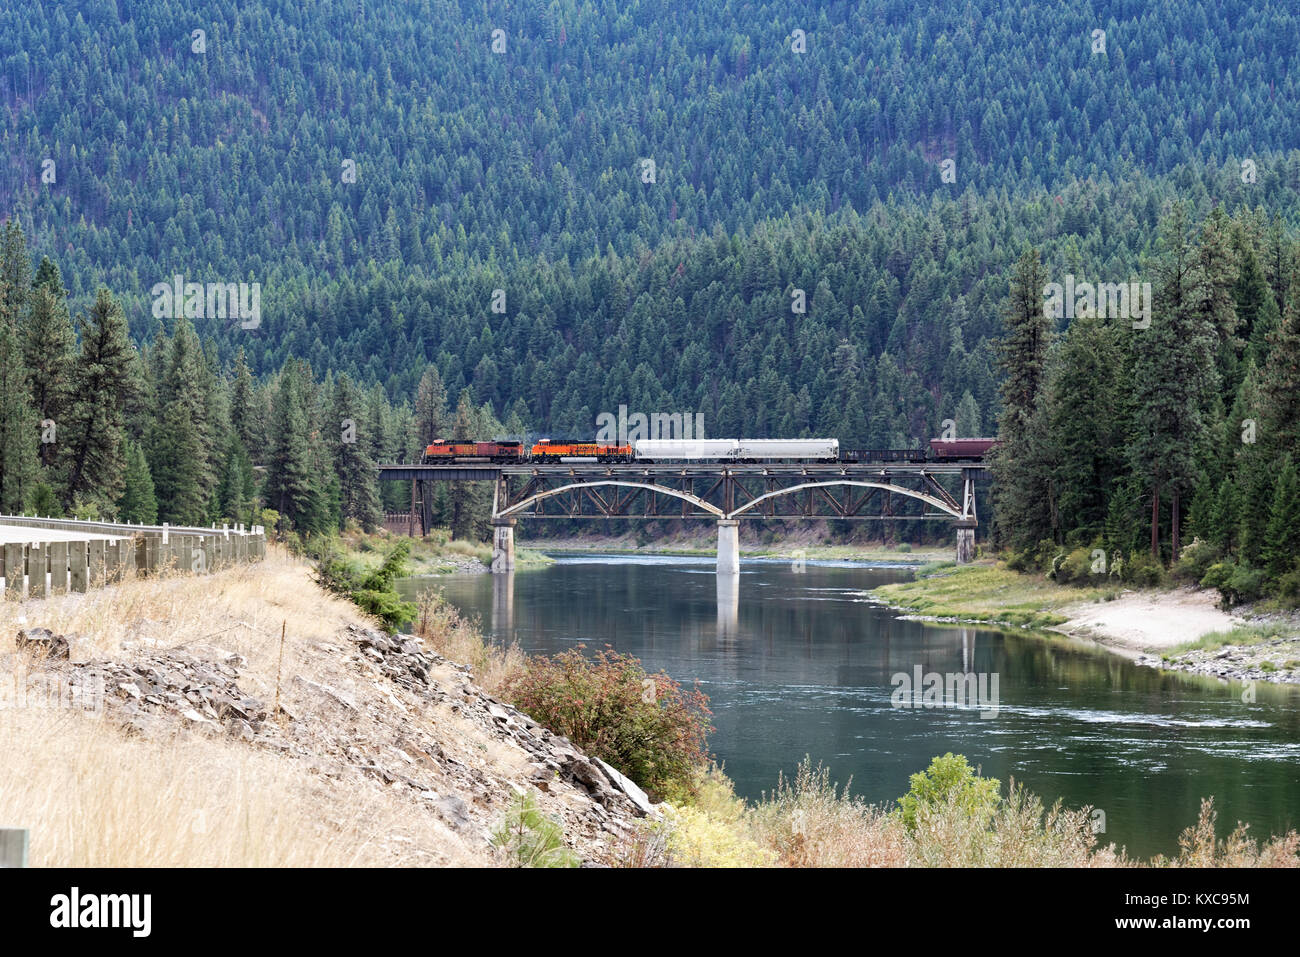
{"x":547,"y":450}
{"x":449,"y":450}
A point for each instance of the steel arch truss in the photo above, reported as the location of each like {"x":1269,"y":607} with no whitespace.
{"x":853,"y":495}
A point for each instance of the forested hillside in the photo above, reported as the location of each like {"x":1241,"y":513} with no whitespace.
{"x":523,"y":170}
{"x":794,"y":220}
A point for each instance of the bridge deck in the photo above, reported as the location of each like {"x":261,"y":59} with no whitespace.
{"x":488,"y":472}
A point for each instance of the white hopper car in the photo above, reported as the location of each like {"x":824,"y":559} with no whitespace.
{"x":737,"y":450}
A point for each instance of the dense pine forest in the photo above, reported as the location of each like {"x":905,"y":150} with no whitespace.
{"x":479,"y":219}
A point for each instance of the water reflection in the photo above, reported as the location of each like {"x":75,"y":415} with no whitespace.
{"x":503,"y":605}
{"x":728,"y":607}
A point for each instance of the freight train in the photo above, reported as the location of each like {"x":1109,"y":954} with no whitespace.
{"x":742,"y":451}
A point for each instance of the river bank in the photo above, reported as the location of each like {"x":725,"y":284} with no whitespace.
{"x":800,"y":546}
{"x":437,"y":553}
{"x":1179,"y":629}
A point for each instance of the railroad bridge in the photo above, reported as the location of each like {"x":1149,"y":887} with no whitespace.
{"x":726,"y":493}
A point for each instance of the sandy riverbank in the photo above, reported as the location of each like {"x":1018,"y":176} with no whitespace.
{"x":1148,"y":622}
{"x":1154,"y":628}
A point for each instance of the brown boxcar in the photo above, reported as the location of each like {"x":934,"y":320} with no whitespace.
{"x":959,"y":450}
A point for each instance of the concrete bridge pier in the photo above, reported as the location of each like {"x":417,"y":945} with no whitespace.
{"x":965,"y":541}
{"x":728,"y":546}
{"x":503,"y":545}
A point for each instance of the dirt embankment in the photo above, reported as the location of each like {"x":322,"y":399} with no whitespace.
{"x":180,"y":732}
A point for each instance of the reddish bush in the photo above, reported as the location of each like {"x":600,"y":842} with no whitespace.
{"x":646,"y":726}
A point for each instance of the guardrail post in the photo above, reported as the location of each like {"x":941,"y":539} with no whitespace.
{"x":114,"y":560}
{"x":58,"y":568}
{"x":77,"y":566}
{"x":37,"y":560}
{"x":13,"y":846}
{"x":15,"y":569}
{"x":95,"y":570}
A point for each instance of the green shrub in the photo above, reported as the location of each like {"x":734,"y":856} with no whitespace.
{"x":43,"y":502}
{"x":1287,"y":588}
{"x":374,"y":592}
{"x":645,"y":726}
{"x":1195,"y":561}
{"x":1076,"y":568}
{"x":903,"y":547}
{"x":1039,"y":558}
{"x":1236,"y":584}
{"x":949,"y":781}
{"x":530,"y":838}
{"x":1142,"y":570}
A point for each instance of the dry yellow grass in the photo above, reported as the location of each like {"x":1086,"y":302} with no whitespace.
{"x":92,"y":796}
{"x":456,"y":638}
{"x":809,"y":822}
{"x":239,"y":609}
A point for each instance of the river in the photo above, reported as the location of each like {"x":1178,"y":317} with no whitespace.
{"x":801,"y":661}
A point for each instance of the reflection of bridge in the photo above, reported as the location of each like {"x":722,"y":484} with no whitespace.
{"x":722,"y":492}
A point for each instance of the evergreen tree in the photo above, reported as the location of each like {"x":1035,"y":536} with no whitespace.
{"x":1279,"y":384}
{"x":138,"y":503}
{"x":243,"y":405}
{"x":175,"y":451}
{"x":1084,"y":421}
{"x":1023,"y":493}
{"x":18,"y":423}
{"x":968,"y":420}
{"x":15,"y":274}
{"x":1282,"y":543}
{"x":291,"y":488}
{"x":1174,"y":376}
{"x":355,"y":470}
{"x":430,"y":408}
{"x":181,"y":440}
{"x":92,"y":460}
{"x":49,"y":351}
{"x":18,"y":431}
{"x":235,"y":492}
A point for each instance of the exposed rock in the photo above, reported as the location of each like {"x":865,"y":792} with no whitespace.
{"x":628,"y":787}
{"x":42,"y":641}
{"x":332,"y":693}
{"x":453,"y":810}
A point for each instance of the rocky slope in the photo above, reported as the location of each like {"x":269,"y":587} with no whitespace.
{"x":363,"y":712}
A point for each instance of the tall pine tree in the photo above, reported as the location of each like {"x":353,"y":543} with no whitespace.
{"x":1023,"y":493}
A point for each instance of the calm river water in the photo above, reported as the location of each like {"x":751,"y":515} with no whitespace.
{"x":799,"y":663}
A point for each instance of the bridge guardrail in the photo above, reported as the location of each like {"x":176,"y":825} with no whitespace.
{"x":114,"y":551}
